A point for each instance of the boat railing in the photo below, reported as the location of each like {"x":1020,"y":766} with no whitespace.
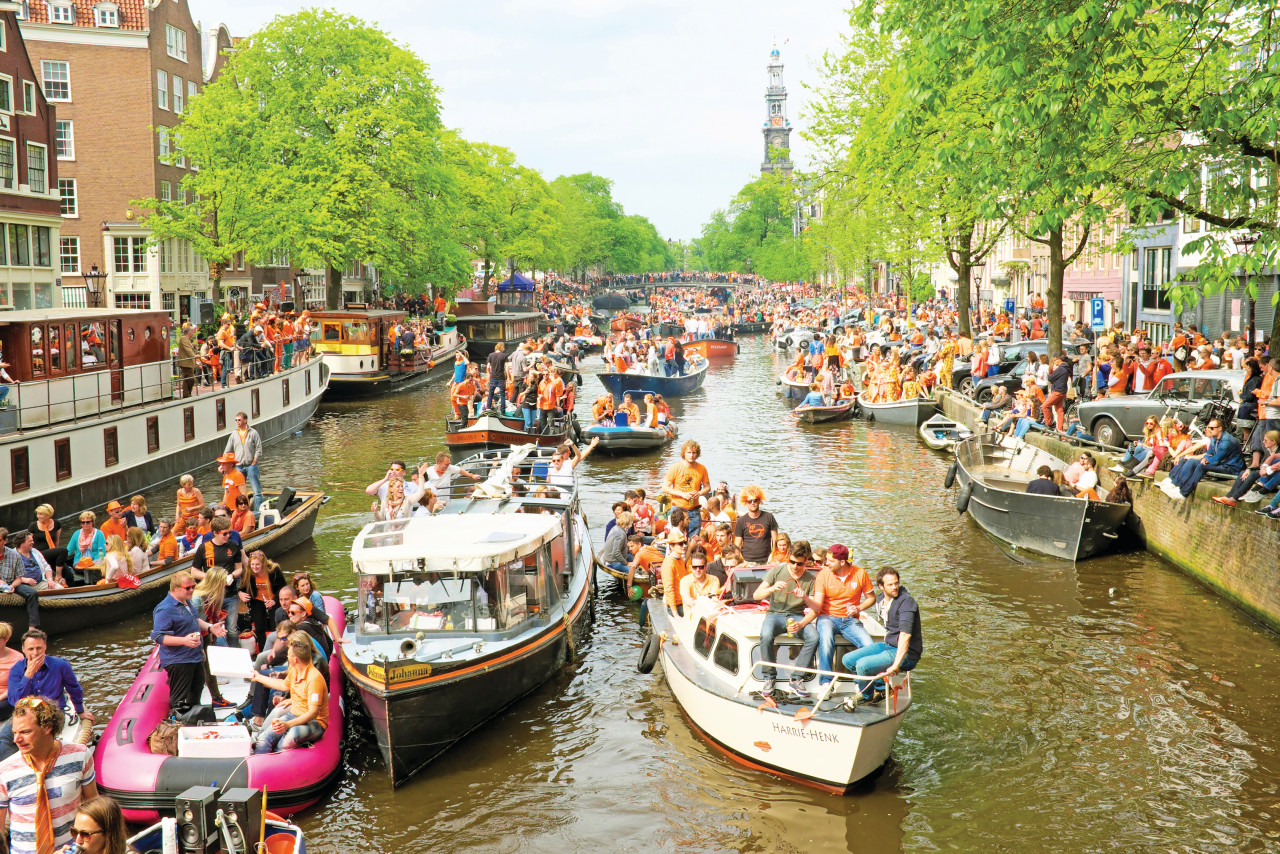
{"x":896,"y":683}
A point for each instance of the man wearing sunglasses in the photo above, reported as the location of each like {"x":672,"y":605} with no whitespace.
{"x":177,"y":629}
{"x":786,"y":586}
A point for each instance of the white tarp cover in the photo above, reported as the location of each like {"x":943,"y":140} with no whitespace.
{"x":450,"y":543}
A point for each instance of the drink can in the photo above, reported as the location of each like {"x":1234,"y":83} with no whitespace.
{"x":792,"y":625}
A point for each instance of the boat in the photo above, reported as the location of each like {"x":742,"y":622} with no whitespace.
{"x":484,"y":328}
{"x":636,"y":383}
{"x":942,"y":434}
{"x":612,"y":301}
{"x":750,"y":327}
{"x":356,"y":345}
{"x":86,"y":606}
{"x":793,"y":389}
{"x":145,"y":783}
{"x":102,"y":420}
{"x":707,"y":657}
{"x":278,"y":835}
{"x":625,"y":323}
{"x":991,"y":478}
{"x":588,"y":343}
{"x":823,"y":414}
{"x":463,"y":613}
{"x":615,"y":438}
{"x":913,"y":411}
{"x":712,"y":348}
{"x":490,"y":430}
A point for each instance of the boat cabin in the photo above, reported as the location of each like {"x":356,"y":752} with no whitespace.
{"x":68,"y":364}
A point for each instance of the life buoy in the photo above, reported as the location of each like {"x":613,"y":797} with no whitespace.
{"x":962,"y":497}
{"x":649,"y":653}
{"x":950,"y":479}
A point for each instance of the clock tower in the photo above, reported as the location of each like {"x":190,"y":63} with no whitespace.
{"x":777,"y":130}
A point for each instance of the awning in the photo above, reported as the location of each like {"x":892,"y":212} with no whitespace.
{"x":451,"y":543}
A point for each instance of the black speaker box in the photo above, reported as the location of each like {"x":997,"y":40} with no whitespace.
{"x":197,"y":809}
{"x":242,"y":812}
{"x":206,"y":312}
{"x":287,"y":305}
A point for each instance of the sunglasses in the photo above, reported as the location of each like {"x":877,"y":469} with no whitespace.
{"x":188,"y":587}
{"x":87,"y":522}
{"x":78,"y":833}
{"x":797,"y":563}
{"x":697,"y":566}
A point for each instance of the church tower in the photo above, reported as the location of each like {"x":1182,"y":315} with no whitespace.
{"x":777,"y":130}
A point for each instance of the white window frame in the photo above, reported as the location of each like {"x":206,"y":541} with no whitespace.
{"x":67,"y":143}
{"x":177,"y":94}
{"x":52,"y":65}
{"x":6,"y":84}
{"x":106,"y":15}
{"x":175,"y":42}
{"x":65,"y":243}
{"x":192,"y":91}
{"x":162,"y":89}
{"x":65,"y":184}
{"x":68,"y":8}
{"x":37,"y":146}
{"x":166,"y":191}
{"x":29,"y":97}
{"x":164,"y":144}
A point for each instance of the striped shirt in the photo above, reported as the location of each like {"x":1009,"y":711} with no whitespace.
{"x":72,"y":772}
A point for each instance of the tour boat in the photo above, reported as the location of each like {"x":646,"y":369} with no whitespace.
{"x":85,"y":606}
{"x":750,"y":327}
{"x":463,"y":613}
{"x":941,"y":433}
{"x":484,"y":328}
{"x":913,"y":411}
{"x":145,"y":783}
{"x":489,"y":430}
{"x":641,"y":384}
{"x":102,"y":419}
{"x":821,"y":414}
{"x":625,"y":323}
{"x":709,"y":660}
{"x":712,"y":348}
{"x":991,"y":479}
{"x":356,"y":345}
{"x":625,"y":437}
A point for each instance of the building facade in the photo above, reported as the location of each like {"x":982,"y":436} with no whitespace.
{"x":121,"y":75}
{"x":30,"y":220}
{"x":777,"y":129}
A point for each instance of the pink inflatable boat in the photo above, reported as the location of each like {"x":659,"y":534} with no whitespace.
{"x":145,"y":784}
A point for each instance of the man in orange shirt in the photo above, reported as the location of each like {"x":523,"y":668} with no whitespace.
{"x":686,"y":481}
{"x":165,"y":545}
{"x":115,"y":522}
{"x":550,"y":390}
{"x":226,"y":338}
{"x":674,"y":570}
{"x":233,"y":484}
{"x":463,"y":393}
{"x":644,"y":558}
{"x":841,"y":593}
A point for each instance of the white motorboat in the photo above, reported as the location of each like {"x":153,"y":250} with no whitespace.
{"x":708,"y":657}
{"x":941,"y":433}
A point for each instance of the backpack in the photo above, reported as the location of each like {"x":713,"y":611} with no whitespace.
{"x":165,"y":738}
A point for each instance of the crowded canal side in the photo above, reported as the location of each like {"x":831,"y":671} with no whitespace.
{"x":1116,"y":686}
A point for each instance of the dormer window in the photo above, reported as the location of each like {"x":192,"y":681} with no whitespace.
{"x":106,"y":15}
{"x":24,"y":13}
{"x":62,"y":13}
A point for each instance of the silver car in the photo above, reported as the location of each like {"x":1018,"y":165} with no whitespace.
{"x":1115,"y":420}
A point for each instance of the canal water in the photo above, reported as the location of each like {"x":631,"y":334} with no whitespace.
{"x":1113,"y":704}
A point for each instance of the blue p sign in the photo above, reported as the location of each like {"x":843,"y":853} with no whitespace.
{"x":1097,"y":314}
{"x":1009,"y":306}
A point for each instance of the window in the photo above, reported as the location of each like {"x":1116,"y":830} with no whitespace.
{"x":169,"y":302}
{"x":1156,"y":277}
{"x":62,"y":458}
{"x":153,"y":434}
{"x":73,"y":349}
{"x":130,"y":254}
{"x":41,"y":246}
{"x":55,"y":349}
{"x":6,"y":163}
{"x":166,"y":195}
{"x":69,"y":254}
{"x":107,"y":15}
{"x":726,"y":656}
{"x":133,"y":301}
{"x":65,"y":140}
{"x":188,"y":423}
{"x":175,"y":42}
{"x":36,"y":168}
{"x":110,"y":446}
{"x":67,"y":189}
{"x":162,"y":89}
{"x":284,"y":392}
{"x":20,"y":469}
{"x":164,"y":143}
{"x":703,"y":637}
{"x":6,"y":95}
{"x":19,"y":248}
{"x":177,"y":94}
{"x":29,"y":96}
{"x":307,"y":381}
{"x":220,"y":413}
{"x":55,"y":76}
{"x":191,"y":91}
{"x":62,"y":13}
{"x":255,"y":404}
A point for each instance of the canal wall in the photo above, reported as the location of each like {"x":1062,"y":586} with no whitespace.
{"x":1233,"y":551}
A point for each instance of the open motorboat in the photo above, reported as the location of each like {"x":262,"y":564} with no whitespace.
{"x":991,"y":477}
{"x":912,"y":411}
{"x":709,"y":657}
{"x":941,"y":433}
{"x":840,"y":411}
{"x":462,"y":613}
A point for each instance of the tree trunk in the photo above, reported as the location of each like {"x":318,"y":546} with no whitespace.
{"x":1053,"y":298}
{"x":333,"y":288}
{"x":964,"y":269}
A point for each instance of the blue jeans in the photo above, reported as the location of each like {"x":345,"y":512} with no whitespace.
{"x":1135,"y":454}
{"x":850,"y":627}
{"x":294,"y":736}
{"x":530,"y":417}
{"x":501,"y":396}
{"x":1076,"y":430}
{"x":775,"y":623}
{"x":874,"y":659}
{"x":250,"y":473}
{"x":695,"y":522}
{"x":618,"y":566}
{"x":669,"y":365}
{"x":231,"y":605}
{"x":1024,"y":426}
{"x":4,"y":394}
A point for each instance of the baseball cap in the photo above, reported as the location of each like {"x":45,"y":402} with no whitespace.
{"x":839,"y":551}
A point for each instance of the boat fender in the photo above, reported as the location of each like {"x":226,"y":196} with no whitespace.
{"x":950,"y":479}
{"x":962,"y":497}
{"x":649,"y":653}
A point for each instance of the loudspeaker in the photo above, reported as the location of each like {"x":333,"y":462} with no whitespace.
{"x":197,"y":809}
{"x":206,"y":312}
{"x":242,"y":812}
{"x":287,"y":305}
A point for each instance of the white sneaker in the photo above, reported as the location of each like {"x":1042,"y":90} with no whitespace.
{"x":1117,"y":469}
{"x":1252,"y":497}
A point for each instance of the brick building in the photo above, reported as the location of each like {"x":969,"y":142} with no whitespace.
{"x":121,"y":73}
{"x":29,"y":218}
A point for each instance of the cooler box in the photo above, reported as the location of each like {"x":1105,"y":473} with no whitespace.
{"x":214,"y":742}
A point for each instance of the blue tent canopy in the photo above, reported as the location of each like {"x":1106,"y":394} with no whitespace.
{"x":520,"y":283}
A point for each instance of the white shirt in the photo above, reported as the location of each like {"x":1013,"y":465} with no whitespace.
{"x":411,"y":491}
{"x":440,"y":481}
{"x":562,"y":475}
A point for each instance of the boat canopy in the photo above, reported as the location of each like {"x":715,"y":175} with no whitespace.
{"x":451,"y":543}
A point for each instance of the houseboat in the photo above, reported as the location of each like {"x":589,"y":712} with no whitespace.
{"x":95,"y":411}
{"x":356,"y":345}
{"x":484,"y":328}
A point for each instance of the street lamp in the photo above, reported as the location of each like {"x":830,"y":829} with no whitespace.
{"x":1244,"y":243}
{"x":93,"y":285}
{"x":977,"y":279}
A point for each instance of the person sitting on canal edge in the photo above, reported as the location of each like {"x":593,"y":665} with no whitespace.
{"x":177,"y":629}
{"x":901,"y":648}
{"x":1222,"y":455}
{"x":786,"y":586}
{"x":41,"y":675}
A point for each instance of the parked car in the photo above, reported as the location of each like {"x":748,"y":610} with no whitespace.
{"x":795,"y":336}
{"x":984,"y":388}
{"x":1011,"y":353}
{"x":1116,"y":420}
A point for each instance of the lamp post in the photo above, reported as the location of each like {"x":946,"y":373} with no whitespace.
{"x":93,"y":286}
{"x":977,"y":279}
{"x":1244,"y":243}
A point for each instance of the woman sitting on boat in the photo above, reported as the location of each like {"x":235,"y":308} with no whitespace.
{"x":48,"y":533}
{"x":139,"y":563}
{"x":138,"y":516}
{"x":781,"y":549}
{"x":115,"y":562}
{"x":602,"y":409}
{"x":88,"y":546}
{"x":243,"y":521}
{"x":814,"y":397}
{"x":394,"y":506}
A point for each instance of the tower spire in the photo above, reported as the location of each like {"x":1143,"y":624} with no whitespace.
{"x":777,"y":129}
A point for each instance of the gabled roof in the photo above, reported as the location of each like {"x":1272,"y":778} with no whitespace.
{"x":133,"y":13}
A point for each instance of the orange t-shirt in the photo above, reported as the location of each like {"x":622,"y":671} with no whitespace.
{"x":839,"y":595}
{"x":231,"y":483}
{"x":307,"y":689}
{"x":111,"y":526}
{"x":464,"y":391}
{"x":168,"y":549}
{"x":686,"y":478}
{"x":648,"y":556}
{"x":673,"y":572}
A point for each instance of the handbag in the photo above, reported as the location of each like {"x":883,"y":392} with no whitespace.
{"x":164,"y":740}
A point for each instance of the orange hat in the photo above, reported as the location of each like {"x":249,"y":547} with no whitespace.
{"x":226,"y":458}
{"x":114,"y":505}
{"x":675,"y":535}
{"x":305,"y":603}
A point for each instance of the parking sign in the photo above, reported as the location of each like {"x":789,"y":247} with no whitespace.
{"x":1097,"y":314}
{"x":1009,"y":306}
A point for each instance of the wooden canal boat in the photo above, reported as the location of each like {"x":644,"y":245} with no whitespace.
{"x":712,"y":348}
{"x":823,"y":414}
{"x":641,"y":384}
{"x":356,"y":345}
{"x":912,"y":412}
{"x":489,"y":430}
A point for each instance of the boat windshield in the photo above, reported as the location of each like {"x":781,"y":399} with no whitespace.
{"x":508,"y":600}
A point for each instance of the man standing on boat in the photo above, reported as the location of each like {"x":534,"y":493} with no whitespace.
{"x":245,"y":445}
{"x":756,"y":530}
{"x":902,"y":646}
{"x":686,"y":481}
{"x":226,"y":338}
{"x":177,"y":629}
{"x":497,"y":361}
{"x":186,"y":358}
{"x":786,"y":586}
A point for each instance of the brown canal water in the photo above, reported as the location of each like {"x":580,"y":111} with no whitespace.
{"x":1108,"y":705}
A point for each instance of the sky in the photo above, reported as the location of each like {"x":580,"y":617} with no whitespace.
{"x":663,"y":97}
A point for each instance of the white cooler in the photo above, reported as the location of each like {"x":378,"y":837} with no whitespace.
{"x":230,"y":741}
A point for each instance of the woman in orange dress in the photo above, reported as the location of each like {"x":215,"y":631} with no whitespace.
{"x":190,"y":501}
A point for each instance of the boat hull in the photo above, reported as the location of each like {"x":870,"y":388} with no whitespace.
{"x":713,"y":348}
{"x":490,"y":431}
{"x":399,"y":376}
{"x":620,"y":384}
{"x":1061,"y":527}
{"x":793,"y":391}
{"x":911,"y":413}
{"x":941,"y":433}
{"x":824,"y":414}
{"x":615,"y":439}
